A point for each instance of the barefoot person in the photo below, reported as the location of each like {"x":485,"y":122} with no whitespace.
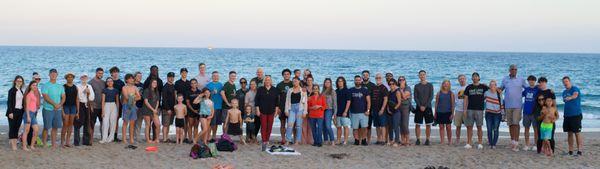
{"x":110,"y":100}
{"x":206,"y":113}
{"x":360,"y":102}
{"x":283,"y":87}
{"x":493,"y":113}
{"x":193,"y":117}
{"x":54,"y":98}
{"x":130,"y":96}
{"x":71,"y":110}
{"x":169,"y":99}
{"x":14,"y":110}
{"x":180,"y":113}
{"x":233,"y":121}
{"x":31,"y":104}
{"x":444,"y":106}
{"x":341,"y":118}
{"x":150,"y":111}
{"x":473,"y":113}
{"x":459,"y":97}
{"x":249,"y":120}
{"x":423,"y":96}
{"x":296,"y":110}
{"x":227,"y":94}
{"x":543,"y":93}
{"x":182,"y":87}
{"x":573,"y":115}
{"x":549,"y":116}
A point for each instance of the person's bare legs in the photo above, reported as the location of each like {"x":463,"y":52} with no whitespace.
{"x":346,"y":134}
{"x":63,"y":130}
{"x":469,"y":135}
{"x":442,"y":133}
{"x":356,"y":134}
{"x":147,"y":129}
{"x":157,"y":130}
{"x":165,"y":128}
{"x":449,"y":133}
{"x":418,"y":132}
{"x":281,"y":130}
{"x":427,"y":131}
{"x":526,"y":136}
{"x":123,"y":129}
{"x":34,"y":137}
{"x":53,"y":134}
{"x":188,"y":129}
{"x":479,"y":135}
{"x":579,"y":138}
{"x":458,"y":128}
{"x":70,"y":119}
{"x":44,"y":137}
{"x":213,"y":129}
{"x":339,"y":135}
{"x":24,"y":137}
{"x":131,"y":131}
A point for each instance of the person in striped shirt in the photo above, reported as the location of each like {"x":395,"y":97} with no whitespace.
{"x":493,"y":115}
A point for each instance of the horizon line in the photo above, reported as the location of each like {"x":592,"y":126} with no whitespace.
{"x":332,"y":49}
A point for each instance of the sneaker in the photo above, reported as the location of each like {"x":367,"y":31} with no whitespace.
{"x":570,"y":153}
{"x":264,"y":146}
{"x":516,"y":149}
{"x":579,"y":153}
{"x":533,"y":148}
{"x":479,"y":146}
{"x":526,"y":148}
{"x":364,"y":142}
{"x":426,"y":142}
{"x":468,"y":146}
{"x":418,"y":142}
{"x":356,"y":142}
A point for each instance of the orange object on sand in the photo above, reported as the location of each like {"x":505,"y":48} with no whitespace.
{"x":152,"y":148}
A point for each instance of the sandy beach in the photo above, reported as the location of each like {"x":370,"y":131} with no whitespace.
{"x":114,"y":155}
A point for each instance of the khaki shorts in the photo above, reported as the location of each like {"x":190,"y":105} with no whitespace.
{"x":458,"y":118}
{"x":513,"y":116}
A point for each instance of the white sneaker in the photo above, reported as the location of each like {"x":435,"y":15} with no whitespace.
{"x":526,"y":148}
{"x":479,"y":146}
{"x":468,"y":146}
{"x":534,"y":148}
{"x":516,"y":149}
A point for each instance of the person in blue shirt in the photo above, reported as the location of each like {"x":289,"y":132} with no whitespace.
{"x":359,"y":112}
{"x":529,"y":94}
{"x":572,"y":115}
{"x":215,"y":87}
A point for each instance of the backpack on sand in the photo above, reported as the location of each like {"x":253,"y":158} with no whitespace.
{"x":226,"y":144}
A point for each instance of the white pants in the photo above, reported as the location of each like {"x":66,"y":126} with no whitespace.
{"x":109,"y":121}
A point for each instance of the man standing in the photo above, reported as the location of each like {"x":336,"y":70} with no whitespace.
{"x":54,"y":98}
{"x":283,"y":87}
{"x":459,"y":105}
{"x":513,"y":90}
{"x":228,"y":94}
{"x":369,"y":86}
{"x":202,"y":78}
{"x":474,"y":104}
{"x":118,"y":84}
{"x":215,"y":87}
{"x":360,"y":101}
{"x":169,"y":98}
{"x":379,"y":99}
{"x":423,"y":96}
{"x":266,"y":108}
{"x":98,"y":85}
{"x":529,"y":119}
{"x":260,"y":76}
{"x":572,"y":114}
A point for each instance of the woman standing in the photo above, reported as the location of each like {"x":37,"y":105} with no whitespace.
{"x":32,"y":105}
{"x":405,"y":108}
{"x":492,"y":113}
{"x":206,"y":112}
{"x":295,"y":110}
{"x":110,"y":100}
{"x":150,"y":110}
{"x":14,"y":110}
{"x":331,"y":100}
{"x":341,"y":118}
{"x":444,"y":112}
{"x":194,"y":114}
{"x":394,"y":109}
{"x":266,"y":104}
{"x":316,"y":106}
{"x":70,"y":109}
{"x":307,"y":137}
{"x":240,"y":95}
{"x":249,"y":101}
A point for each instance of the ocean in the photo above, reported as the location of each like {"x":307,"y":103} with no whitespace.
{"x":584,"y":69}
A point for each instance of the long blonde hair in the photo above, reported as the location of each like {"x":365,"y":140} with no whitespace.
{"x":449,"y":85}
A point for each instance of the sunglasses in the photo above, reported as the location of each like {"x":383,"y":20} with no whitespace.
{"x":541,"y":99}
{"x":401,"y":79}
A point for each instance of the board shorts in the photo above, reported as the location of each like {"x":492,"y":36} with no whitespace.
{"x":546,"y":131}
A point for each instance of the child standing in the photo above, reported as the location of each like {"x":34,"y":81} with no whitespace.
{"x":549,"y":116}
{"x":249,"y":120}
{"x":233,"y":121}
{"x":180,"y":113}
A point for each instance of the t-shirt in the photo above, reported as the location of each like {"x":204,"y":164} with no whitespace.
{"x":283,"y":87}
{"x":152,"y":97}
{"x":215,"y":94}
{"x":529,"y":94}
{"x":168,"y":96}
{"x":191,"y":96}
{"x":110,"y":94}
{"x":358,"y":100}
{"x":513,"y":88}
{"x":378,"y":92}
{"x":259,"y":82}
{"x":183,"y":87}
{"x":159,"y":83}
{"x":459,"y":99}
{"x":241,"y":96}
{"x":343,"y":95}
{"x":423,"y":94}
{"x":98,"y":85}
{"x":476,"y":96}
{"x":118,"y":84}
{"x":202,"y":81}
{"x":229,"y":89}
{"x":267,"y":100}
{"x":572,"y":107}
{"x":140,"y":88}
{"x":70,"y":95}
{"x":54,"y":92}
{"x":492,"y":102}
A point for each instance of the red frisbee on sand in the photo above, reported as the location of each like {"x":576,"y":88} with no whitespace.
{"x":151,"y":148}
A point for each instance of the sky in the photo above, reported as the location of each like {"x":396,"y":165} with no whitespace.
{"x":446,"y":25}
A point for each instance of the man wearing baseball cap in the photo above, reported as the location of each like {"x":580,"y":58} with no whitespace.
{"x":54,"y":98}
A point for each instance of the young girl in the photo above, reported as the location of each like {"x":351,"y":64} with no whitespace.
{"x":32,"y":104}
{"x":549,"y":116}
{"x":180,"y":113}
{"x":249,"y":120}
{"x":110,"y":100}
{"x":206,"y":114}
{"x":233,"y":121}
{"x":71,"y":110}
{"x":444,"y":104}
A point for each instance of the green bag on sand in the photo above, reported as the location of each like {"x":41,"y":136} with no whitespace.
{"x":213,"y":149}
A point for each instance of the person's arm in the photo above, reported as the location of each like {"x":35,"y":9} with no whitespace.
{"x":574,"y":96}
{"x":368,"y":105}
{"x":437,"y":102}
{"x":77,"y":104}
{"x":240,"y":120}
{"x":452,"y":104}
{"x":148,"y":105}
{"x":189,"y":106}
{"x":335,"y":108}
{"x":91,"y":95}
{"x":227,"y":120}
{"x":398,"y":95}
{"x":465,"y":104}
{"x":11,"y":103}
{"x":416,"y":96}
{"x":430,"y":97}
{"x":385,"y":100}
{"x":212,"y":111}
{"x":63,"y":98}
{"x":48,"y":100}
{"x":224,"y":98}
{"x":257,"y":102}
{"x":103,"y":102}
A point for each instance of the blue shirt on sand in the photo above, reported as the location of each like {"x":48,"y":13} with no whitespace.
{"x":513,"y":88}
{"x":572,"y":107}
{"x":529,"y":94}
{"x":215,"y":94}
{"x":54,"y":92}
{"x":358,"y":100}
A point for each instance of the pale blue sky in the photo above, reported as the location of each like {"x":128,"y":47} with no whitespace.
{"x":454,"y":25}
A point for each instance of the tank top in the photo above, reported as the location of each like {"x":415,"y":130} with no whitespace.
{"x":32,"y":101}
{"x":205,"y":106}
{"x":445,"y":104}
{"x":295,"y":98}
{"x":393,"y":100}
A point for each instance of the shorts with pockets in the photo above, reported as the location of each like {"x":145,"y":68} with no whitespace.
{"x":358,"y":119}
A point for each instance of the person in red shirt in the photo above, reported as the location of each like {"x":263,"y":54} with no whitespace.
{"x":316,"y":106}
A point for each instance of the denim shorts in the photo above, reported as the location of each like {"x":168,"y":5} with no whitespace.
{"x":33,"y":116}
{"x":129,"y":112}
{"x":70,"y":110}
{"x":52,"y":118}
{"x":358,"y":119}
{"x":342,"y":122}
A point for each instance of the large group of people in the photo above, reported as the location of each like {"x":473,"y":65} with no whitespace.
{"x":306,"y":110}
